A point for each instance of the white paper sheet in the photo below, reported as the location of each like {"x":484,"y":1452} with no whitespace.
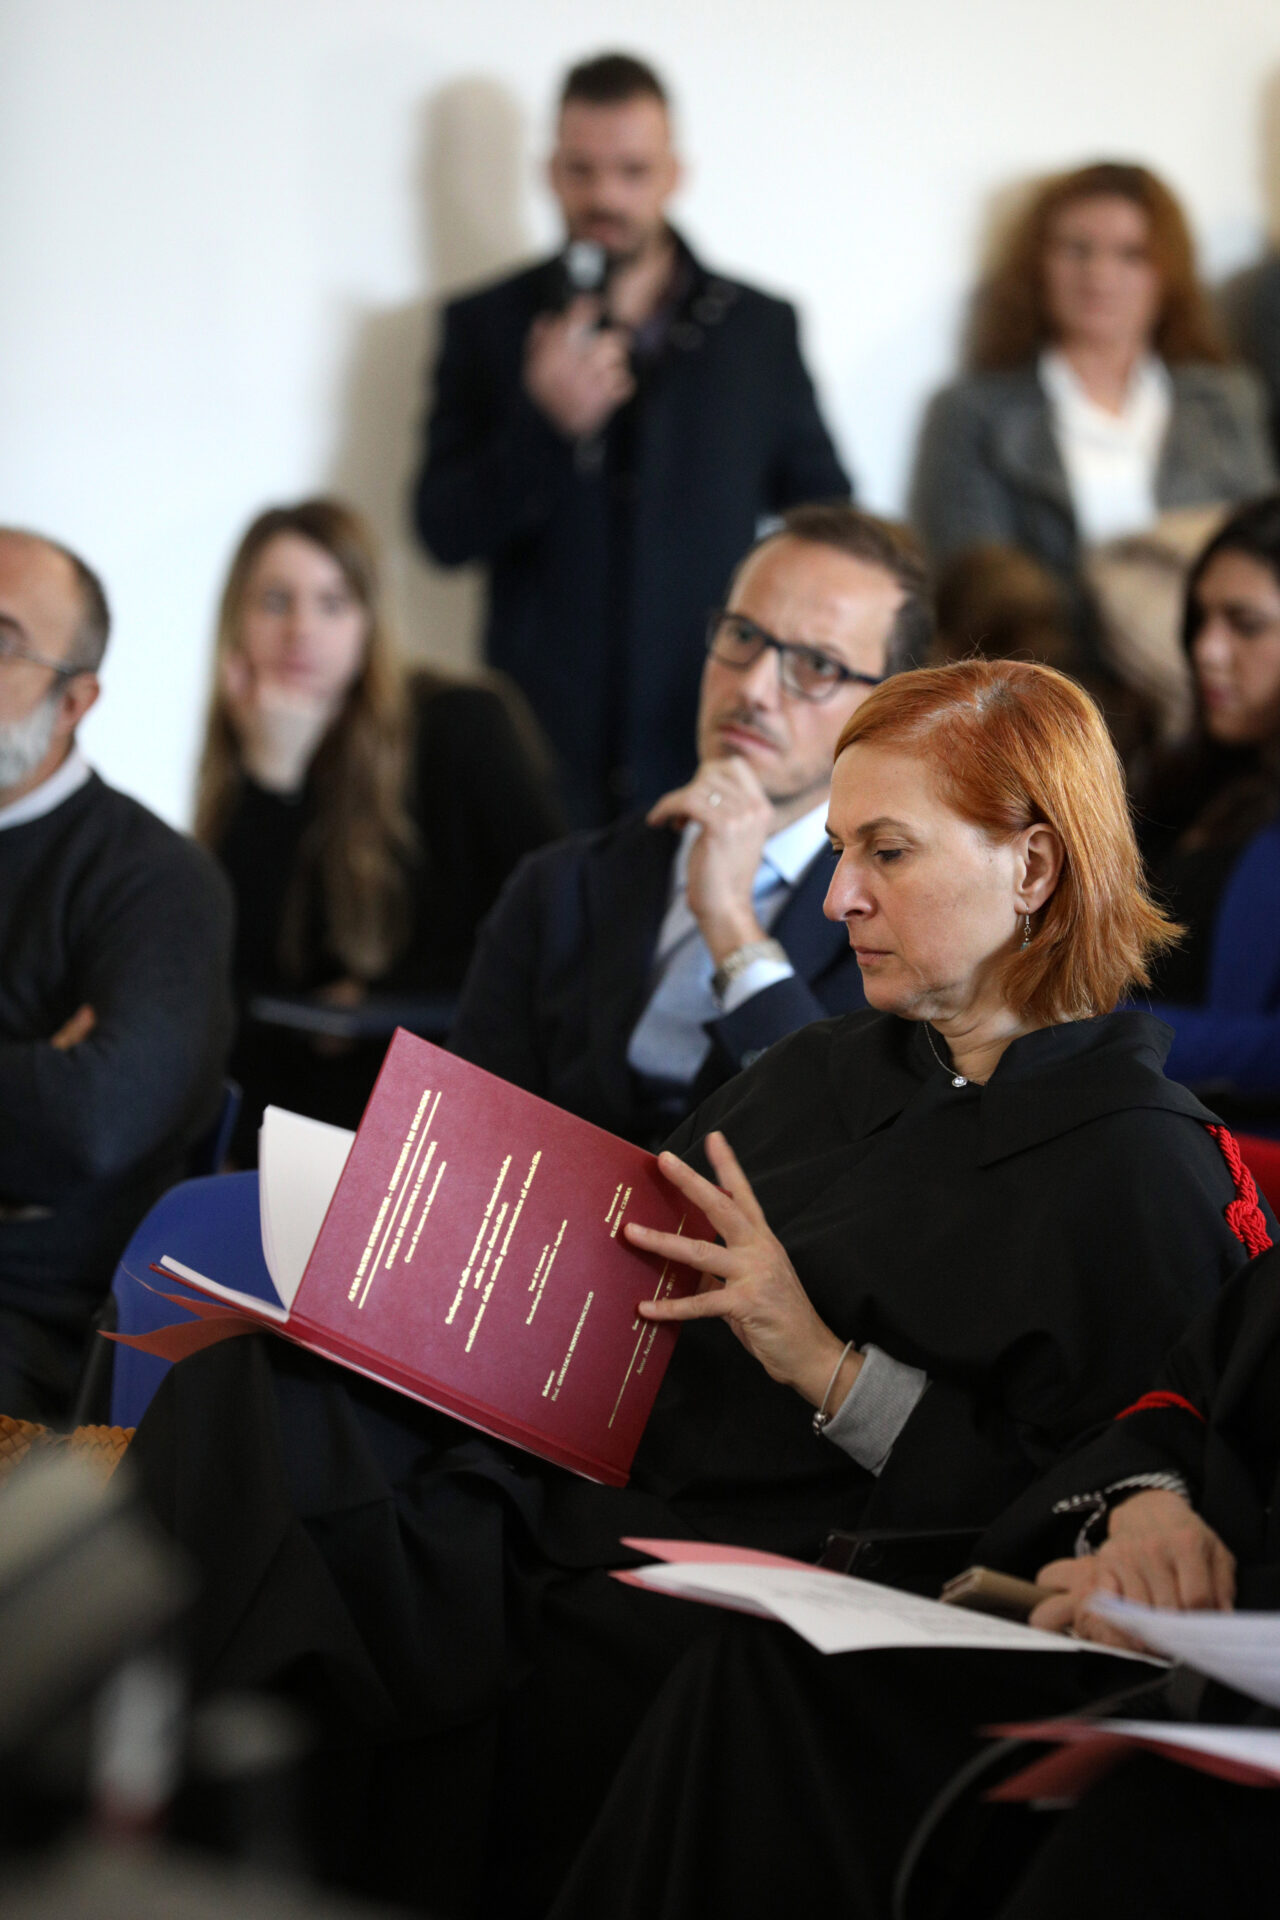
{"x":232,"y":1295}
{"x":300,"y":1163}
{"x":1240,"y":1649}
{"x":837,"y":1614}
{"x":1256,"y":1746}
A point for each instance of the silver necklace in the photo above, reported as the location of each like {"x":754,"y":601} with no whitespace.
{"x":957,"y":1079}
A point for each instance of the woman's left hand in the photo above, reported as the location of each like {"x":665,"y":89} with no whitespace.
{"x":749,"y":1280}
{"x":1158,"y":1551}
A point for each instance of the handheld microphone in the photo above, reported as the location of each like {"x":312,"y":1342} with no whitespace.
{"x":586,"y":267}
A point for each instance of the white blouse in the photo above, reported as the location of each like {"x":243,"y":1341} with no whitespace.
{"x":1110,"y":459}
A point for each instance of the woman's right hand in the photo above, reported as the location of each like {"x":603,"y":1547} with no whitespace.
{"x":278,"y":727}
{"x":1158,"y":1550}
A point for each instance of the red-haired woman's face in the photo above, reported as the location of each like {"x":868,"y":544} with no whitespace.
{"x":302,"y":628}
{"x":932,"y":903}
{"x":1101,"y":287}
{"x":1236,"y":651}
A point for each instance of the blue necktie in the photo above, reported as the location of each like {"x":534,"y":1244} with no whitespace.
{"x":668,"y":1042}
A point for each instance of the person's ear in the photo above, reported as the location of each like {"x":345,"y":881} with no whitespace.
{"x":78,"y":694}
{"x":1041,"y":862}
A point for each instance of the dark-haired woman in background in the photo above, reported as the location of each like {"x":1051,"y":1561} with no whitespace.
{"x":1097,"y":396}
{"x":1210,"y":821}
{"x":366,"y":817}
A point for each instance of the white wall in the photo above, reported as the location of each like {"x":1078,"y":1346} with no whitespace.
{"x":224,"y":230}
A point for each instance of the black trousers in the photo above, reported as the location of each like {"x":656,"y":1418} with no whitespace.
{"x":385,"y":1571}
{"x":1155,"y":1838}
{"x":768,"y":1779}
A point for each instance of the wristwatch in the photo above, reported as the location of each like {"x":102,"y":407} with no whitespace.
{"x":741,"y":958}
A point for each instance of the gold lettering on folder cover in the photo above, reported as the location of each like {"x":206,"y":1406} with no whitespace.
{"x":480,"y":1233}
{"x":582,"y":1321}
{"x":393,"y":1199}
{"x":546,"y":1273}
{"x":497,"y":1265}
{"x":407,"y":1214}
{"x":646,"y":1327}
{"x":486,"y":1191}
{"x":620,"y":1216}
{"x":426,"y":1208}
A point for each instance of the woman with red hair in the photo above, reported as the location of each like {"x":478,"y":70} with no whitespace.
{"x":955,"y":1232}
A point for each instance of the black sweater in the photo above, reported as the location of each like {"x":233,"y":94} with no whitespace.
{"x":101,"y":904}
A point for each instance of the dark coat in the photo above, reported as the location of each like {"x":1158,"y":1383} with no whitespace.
{"x":562,"y":973}
{"x":604,"y":557}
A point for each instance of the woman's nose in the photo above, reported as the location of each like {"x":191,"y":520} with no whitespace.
{"x":1212,"y":645}
{"x":847,"y":892}
{"x":299,"y":623}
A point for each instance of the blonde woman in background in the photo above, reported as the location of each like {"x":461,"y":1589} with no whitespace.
{"x":366,"y":816}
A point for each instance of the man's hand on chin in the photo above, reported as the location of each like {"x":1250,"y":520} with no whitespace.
{"x":726,"y":799}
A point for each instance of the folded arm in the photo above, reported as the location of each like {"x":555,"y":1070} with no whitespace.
{"x":154,"y":970}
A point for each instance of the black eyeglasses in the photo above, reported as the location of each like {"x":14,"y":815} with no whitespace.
{"x":10,"y":650}
{"x":806,"y":672}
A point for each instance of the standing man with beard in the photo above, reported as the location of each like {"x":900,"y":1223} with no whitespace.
{"x":627,"y":973}
{"x":114,"y":1004}
{"x":608,"y":429}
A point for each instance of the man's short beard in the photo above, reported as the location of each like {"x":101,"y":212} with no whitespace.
{"x":24,"y":743}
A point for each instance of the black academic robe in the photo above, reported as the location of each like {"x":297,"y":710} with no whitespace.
{"x":1032,"y":1244}
{"x":1212,"y":1415}
{"x":850,"y":1751}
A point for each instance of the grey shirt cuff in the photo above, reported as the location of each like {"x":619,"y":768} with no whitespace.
{"x":875,"y":1409}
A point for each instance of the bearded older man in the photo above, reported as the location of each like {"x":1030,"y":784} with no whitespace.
{"x":114,"y":1006}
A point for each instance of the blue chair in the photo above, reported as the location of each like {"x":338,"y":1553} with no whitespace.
{"x":209,"y":1154}
{"x":210,"y":1225}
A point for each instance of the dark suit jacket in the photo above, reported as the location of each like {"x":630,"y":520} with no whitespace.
{"x":562,"y":972}
{"x":605,"y":556}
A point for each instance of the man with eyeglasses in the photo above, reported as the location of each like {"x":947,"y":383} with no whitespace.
{"x":608,"y":428}
{"x":114,"y":1005}
{"x":625,"y":974}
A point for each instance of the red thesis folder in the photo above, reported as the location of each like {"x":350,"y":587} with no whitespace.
{"x":471,"y":1257}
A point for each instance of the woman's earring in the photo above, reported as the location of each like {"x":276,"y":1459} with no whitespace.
{"x":1026,"y":931}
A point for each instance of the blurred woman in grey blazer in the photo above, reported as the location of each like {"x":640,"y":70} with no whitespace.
{"x":1099,"y":396}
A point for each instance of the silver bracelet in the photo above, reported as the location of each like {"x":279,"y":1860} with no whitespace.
{"x":1098,"y":1506}
{"x":822,"y":1418}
